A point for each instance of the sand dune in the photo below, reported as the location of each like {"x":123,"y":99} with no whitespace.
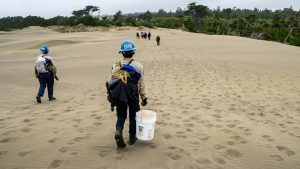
{"x":222,"y":102}
{"x":54,"y":43}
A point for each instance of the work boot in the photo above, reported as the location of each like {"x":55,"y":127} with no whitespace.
{"x":119,"y":138}
{"x":38,"y":99}
{"x":132,"y":140}
{"x":52,"y":98}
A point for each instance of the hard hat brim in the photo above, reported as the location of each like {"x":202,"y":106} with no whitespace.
{"x":127,"y":50}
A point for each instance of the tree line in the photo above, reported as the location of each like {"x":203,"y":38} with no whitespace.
{"x":279,"y":25}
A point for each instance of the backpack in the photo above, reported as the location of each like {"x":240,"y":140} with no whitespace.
{"x":124,"y":84}
{"x":49,"y":66}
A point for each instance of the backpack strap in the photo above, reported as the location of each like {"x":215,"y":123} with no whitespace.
{"x":130,"y":61}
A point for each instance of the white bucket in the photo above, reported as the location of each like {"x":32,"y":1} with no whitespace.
{"x":145,"y":124}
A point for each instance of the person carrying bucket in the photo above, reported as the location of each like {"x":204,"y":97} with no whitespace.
{"x":45,"y":71}
{"x":125,"y":86}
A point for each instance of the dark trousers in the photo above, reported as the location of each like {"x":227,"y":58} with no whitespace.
{"x":158,"y":42}
{"x":122,"y":115}
{"x":46,"y":80}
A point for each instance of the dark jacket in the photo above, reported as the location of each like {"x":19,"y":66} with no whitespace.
{"x":125,"y":93}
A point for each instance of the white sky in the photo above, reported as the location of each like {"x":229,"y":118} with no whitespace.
{"x":51,"y":8}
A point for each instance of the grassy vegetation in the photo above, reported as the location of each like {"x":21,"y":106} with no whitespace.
{"x":276,"y":25}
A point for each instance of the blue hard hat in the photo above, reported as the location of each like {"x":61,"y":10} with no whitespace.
{"x":127,"y":45}
{"x":44,"y":49}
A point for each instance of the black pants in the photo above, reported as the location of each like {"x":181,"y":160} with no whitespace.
{"x":122,"y":115}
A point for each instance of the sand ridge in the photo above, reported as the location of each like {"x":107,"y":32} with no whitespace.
{"x":221,"y":102}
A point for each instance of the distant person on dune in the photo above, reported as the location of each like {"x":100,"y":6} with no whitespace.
{"x":145,"y":35}
{"x":137,"y":35}
{"x":125,"y":86}
{"x":158,"y":40}
{"x":149,"y":35}
{"x":45,"y":71}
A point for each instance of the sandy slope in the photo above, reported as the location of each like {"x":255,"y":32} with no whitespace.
{"x":222,"y":102}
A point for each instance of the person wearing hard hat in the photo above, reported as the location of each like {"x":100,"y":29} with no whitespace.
{"x":44,"y":74}
{"x":126,"y":87}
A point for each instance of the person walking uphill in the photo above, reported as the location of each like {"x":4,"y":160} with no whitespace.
{"x":157,"y":40}
{"x":149,"y":35}
{"x":125,"y":86}
{"x":45,"y":71}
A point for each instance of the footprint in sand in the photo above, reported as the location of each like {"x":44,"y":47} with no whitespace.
{"x":24,"y":153}
{"x":203,"y":137}
{"x":26,"y":130}
{"x":76,"y":139}
{"x":219,"y":160}
{"x":97,"y":123}
{"x":269,"y":138}
{"x":173,"y":156}
{"x":64,"y":149}
{"x":53,"y":140}
{"x":176,"y":150}
{"x":74,"y":153}
{"x":120,"y":156}
{"x":55,"y":164}
{"x":231,"y":125}
{"x":286,"y":150}
{"x":190,"y":125}
{"x":153,"y":146}
{"x":219,"y":147}
{"x":232,"y":153}
{"x":167,"y":136}
{"x":98,"y":117}
{"x":181,"y":134}
{"x":103,"y":151}
{"x":27,"y":120}
{"x":239,"y":139}
{"x":8,"y":139}
{"x":276,"y":157}
{"x":189,"y":130}
{"x":203,"y":161}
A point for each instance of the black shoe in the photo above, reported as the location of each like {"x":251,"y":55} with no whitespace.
{"x":38,"y":99}
{"x":52,"y":98}
{"x":132,"y":140}
{"x":119,"y":139}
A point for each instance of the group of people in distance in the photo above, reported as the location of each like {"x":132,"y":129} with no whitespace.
{"x":144,"y":35}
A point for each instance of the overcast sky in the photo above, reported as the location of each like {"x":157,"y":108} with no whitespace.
{"x":51,"y":8}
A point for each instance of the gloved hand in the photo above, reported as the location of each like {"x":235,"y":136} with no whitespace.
{"x":144,"y":102}
{"x":109,"y":98}
{"x":36,"y":76}
{"x":56,"y":78}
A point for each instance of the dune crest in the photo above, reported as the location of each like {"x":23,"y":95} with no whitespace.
{"x":221,"y":102}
